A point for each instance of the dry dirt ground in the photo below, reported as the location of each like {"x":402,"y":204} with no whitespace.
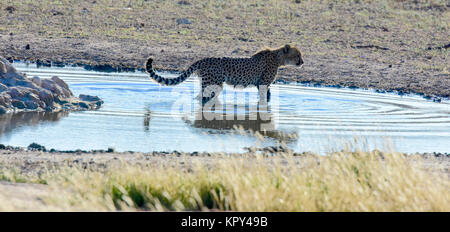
{"x":387,"y":45}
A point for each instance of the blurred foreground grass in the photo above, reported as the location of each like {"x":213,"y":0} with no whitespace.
{"x":356,"y":181}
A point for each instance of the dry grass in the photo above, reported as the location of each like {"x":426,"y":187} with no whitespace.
{"x":338,"y":182}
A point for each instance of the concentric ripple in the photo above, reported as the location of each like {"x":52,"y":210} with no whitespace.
{"x":140,"y":115}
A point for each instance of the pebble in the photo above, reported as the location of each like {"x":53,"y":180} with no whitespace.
{"x":183,"y":21}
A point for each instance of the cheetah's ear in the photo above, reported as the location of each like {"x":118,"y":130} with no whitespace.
{"x":286,"y":48}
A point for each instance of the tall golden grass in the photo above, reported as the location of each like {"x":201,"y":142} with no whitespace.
{"x":356,"y":181}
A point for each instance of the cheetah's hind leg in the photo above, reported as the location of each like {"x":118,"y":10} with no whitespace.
{"x":209,"y":92}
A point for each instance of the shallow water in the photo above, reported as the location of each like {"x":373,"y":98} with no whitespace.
{"x":139,"y":115}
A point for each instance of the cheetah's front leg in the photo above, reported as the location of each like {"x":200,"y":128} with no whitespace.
{"x":264,"y":93}
{"x":267,"y":78}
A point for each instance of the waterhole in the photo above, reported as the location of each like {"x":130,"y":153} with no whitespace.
{"x":140,"y":115}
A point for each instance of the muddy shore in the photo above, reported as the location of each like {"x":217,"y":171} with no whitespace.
{"x":355,"y":45}
{"x":37,"y":158}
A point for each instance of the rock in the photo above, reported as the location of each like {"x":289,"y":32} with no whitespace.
{"x":31,"y":96}
{"x":184,"y":2}
{"x":12,"y":75}
{"x":50,"y":85}
{"x":5,"y":100}
{"x":3,"y":87}
{"x":18,"y":92}
{"x":437,"y":99}
{"x":67,"y":106}
{"x":35,"y":146}
{"x":46,"y":96}
{"x":8,"y":81}
{"x":67,"y":93}
{"x":18,"y":104}
{"x":62,"y":84}
{"x":42,"y":104}
{"x":10,"y":9}
{"x":88,"y":97}
{"x":61,"y":101}
{"x":55,"y":12}
{"x":8,"y":66}
{"x":27,"y":83}
{"x":31,"y":105}
{"x":55,"y":88}
{"x":32,"y":101}
{"x":183,"y":21}
{"x":83,"y":105}
{"x":93,"y":102}
{"x":44,"y":63}
{"x":3,"y":110}
{"x":36,"y":80}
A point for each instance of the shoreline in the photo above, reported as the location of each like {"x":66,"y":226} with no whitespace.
{"x":282,"y":81}
{"x":37,"y":148}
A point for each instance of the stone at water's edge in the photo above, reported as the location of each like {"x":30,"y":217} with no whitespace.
{"x":19,"y":93}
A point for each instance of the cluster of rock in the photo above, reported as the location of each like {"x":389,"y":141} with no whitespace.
{"x":20,"y":93}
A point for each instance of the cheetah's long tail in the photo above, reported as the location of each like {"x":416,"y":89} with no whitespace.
{"x":168,"y":81}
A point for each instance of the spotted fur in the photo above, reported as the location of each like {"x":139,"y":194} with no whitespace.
{"x":259,"y":70}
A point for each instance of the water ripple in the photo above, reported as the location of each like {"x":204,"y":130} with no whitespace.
{"x":140,"y":115}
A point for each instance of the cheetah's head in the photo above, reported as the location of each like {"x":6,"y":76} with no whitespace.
{"x":291,"y":55}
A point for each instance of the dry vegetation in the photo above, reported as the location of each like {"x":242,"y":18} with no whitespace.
{"x":388,"y":44}
{"x":385,"y":44}
{"x":344,"y":181}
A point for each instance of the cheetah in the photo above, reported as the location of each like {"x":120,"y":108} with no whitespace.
{"x":259,"y":70}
